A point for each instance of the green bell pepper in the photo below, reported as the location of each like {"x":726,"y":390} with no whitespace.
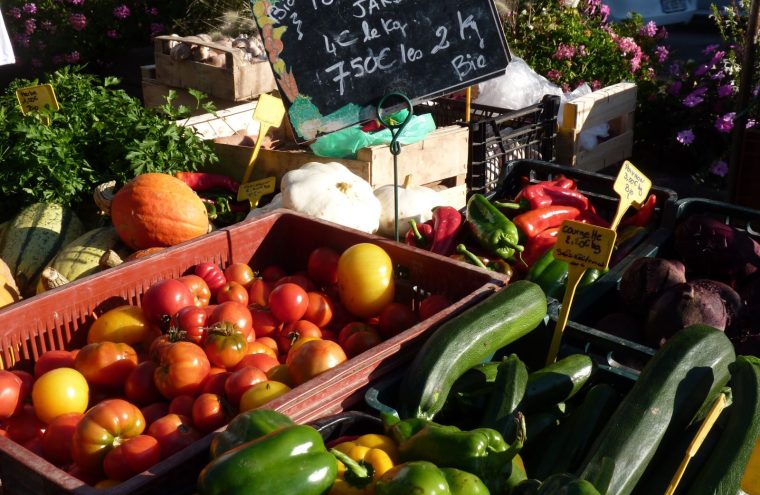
{"x":291,"y":460}
{"x":551,"y":275}
{"x":464,"y":483}
{"x":491,"y":228}
{"x":417,"y":477}
{"x":556,"y":484}
{"x":248,"y":426}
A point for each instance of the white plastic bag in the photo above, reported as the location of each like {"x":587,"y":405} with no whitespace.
{"x":519,"y":87}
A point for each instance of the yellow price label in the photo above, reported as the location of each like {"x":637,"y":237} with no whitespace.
{"x":35,"y":98}
{"x":633,"y":186}
{"x":253,"y":191}
{"x":269,"y":110}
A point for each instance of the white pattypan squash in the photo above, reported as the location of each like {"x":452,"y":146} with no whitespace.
{"x":414,"y":202}
{"x":331,"y":192}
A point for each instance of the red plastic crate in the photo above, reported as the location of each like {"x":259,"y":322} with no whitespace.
{"x":60,"y":319}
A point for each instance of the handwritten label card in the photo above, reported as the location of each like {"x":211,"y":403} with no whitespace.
{"x":334,"y":59}
{"x":35,"y":98}
{"x":253,"y":191}
{"x":633,"y":188}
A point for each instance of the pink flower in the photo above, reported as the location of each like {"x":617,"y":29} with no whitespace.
{"x":604,"y":11}
{"x":717,"y":57}
{"x":750,"y":123}
{"x":719,"y":168}
{"x":725,"y":90}
{"x":627,"y":45}
{"x":564,"y":52}
{"x":718,"y":76}
{"x":651,"y":74}
{"x":30,"y":8}
{"x":156,"y":28}
{"x":112,"y":33}
{"x":72,"y":57}
{"x":151,"y":10}
{"x":30,"y":25}
{"x":582,"y":50}
{"x":709,"y":49}
{"x":649,"y":29}
{"x":15,"y":12}
{"x":661,"y":52}
{"x":695,"y":97}
{"x":121,"y":12}
{"x":701,"y":70}
{"x":22,"y":40}
{"x":636,"y":62}
{"x":78,"y":21}
{"x":554,"y":75}
{"x":596,"y":84}
{"x":685,"y":137}
{"x":76,"y":2}
{"x":725,"y":123}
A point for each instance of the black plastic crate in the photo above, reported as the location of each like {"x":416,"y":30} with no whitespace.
{"x":498,"y":135}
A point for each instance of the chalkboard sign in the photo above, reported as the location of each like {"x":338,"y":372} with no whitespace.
{"x":334,"y":59}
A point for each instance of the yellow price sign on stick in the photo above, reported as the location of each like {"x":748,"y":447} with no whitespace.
{"x":253,"y":191}
{"x":269,"y":113}
{"x":36,"y":98}
{"x":633,"y":188}
{"x":582,"y":246}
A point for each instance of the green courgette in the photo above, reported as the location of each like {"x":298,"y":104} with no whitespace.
{"x":722,"y":472}
{"x":687,"y":372}
{"x":466,"y":340}
{"x":556,"y":382}
{"x":507,"y":392}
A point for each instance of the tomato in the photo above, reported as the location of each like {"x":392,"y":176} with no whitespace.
{"x":161,"y":344}
{"x":288,"y":302}
{"x":27,"y":381}
{"x":132,"y":457}
{"x":24,"y":426}
{"x":300,"y":279}
{"x":125,"y":324}
{"x":106,"y":364}
{"x":173,"y":433}
{"x":210,"y":411}
{"x":319,"y":310}
{"x":60,"y":391}
{"x":102,"y":428}
{"x":163,"y":299}
{"x":280,"y":374}
{"x":294,"y":331}
{"x":183,"y":368}
{"x":225,"y":346}
{"x":240,"y":273}
{"x":258,"y":292}
{"x":211,"y":274}
{"x":359,"y":342}
{"x":314,"y":357}
{"x":192,"y":320}
{"x":11,"y":399}
{"x":273,"y":273}
{"x":269,"y":342}
{"x":264,"y":323}
{"x":198,"y":288}
{"x":395,"y":318}
{"x":432,"y":305}
{"x":353,"y":328}
{"x":139,"y":387}
{"x":232,"y":291}
{"x":240,"y":381}
{"x":214,"y":384}
{"x":365,"y":279}
{"x":235,"y":313}
{"x":256,"y":347}
{"x":329,"y":335}
{"x":152,"y":412}
{"x":182,"y":405}
{"x":58,"y":437}
{"x":261,"y":393}
{"x":323,"y":266}
{"x":260,"y":360}
{"x":51,"y":360}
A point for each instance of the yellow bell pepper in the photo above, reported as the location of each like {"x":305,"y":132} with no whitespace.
{"x":369,"y":456}
{"x":751,"y":480}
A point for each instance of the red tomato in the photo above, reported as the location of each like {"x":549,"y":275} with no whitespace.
{"x":34,"y":446}
{"x":273,"y":273}
{"x":132,"y":457}
{"x":269,"y":342}
{"x":260,"y":360}
{"x":212,"y":274}
{"x":288,"y":302}
{"x":106,"y":364}
{"x":319,"y":310}
{"x":235,"y":313}
{"x":323,"y":266}
{"x":102,"y":428}
{"x":314,"y":357}
{"x":260,"y":348}
{"x":58,"y":437}
{"x":24,"y":425}
{"x":294,"y":331}
{"x":301,"y":280}
{"x":162,"y":343}
{"x":163,"y":299}
{"x":232,"y":291}
{"x":27,"y":381}
{"x":225,"y":346}
{"x":359,"y":342}
{"x":198,"y":288}
{"x":432,"y":305}
{"x":353,"y":328}
{"x":182,"y":405}
{"x":214,"y":384}
{"x":51,"y":360}
{"x":280,"y":374}
{"x":139,"y":387}
{"x":258,"y":292}
{"x":329,"y":335}
{"x":11,"y":399}
{"x":173,"y":433}
{"x":192,"y":321}
{"x":183,"y":368}
{"x":264,"y":323}
{"x":240,"y":273}
{"x":395,"y":318}
{"x":210,"y":411}
{"x":298,"y":343}
{"x":152,"y":412}
{"x":240,"y":381}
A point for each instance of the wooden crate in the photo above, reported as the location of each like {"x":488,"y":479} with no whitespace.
{"x":237,"y":81}
{"x":614,"y":105}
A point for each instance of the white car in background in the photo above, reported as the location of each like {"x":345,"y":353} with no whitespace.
{"x":662,"y":12}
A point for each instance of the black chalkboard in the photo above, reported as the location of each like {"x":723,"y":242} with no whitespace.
{"x":334,"y":59}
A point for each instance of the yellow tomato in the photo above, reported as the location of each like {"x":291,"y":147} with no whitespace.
{"x":261,"y":393}
{"x":279,"y":373}
{"x":365,"y":279}
{"x":123,"y":325}
{"x":59,"y":391}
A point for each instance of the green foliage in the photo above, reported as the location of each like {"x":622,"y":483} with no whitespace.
{"x":99,"y":134}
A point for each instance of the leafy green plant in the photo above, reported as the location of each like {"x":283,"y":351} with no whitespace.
{"x":99,"y":134}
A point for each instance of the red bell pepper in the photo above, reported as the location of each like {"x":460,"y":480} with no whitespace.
{"x":588,"y":216}
{"x":642,"y":217}
{"x":533,"y":222}
{"x":446,"y":223}
{"x":421,"y":235}
{"x":204,"y":181}
{"x":538,"y":246}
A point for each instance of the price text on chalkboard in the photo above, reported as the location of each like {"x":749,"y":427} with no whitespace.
{"x":334,"y":59}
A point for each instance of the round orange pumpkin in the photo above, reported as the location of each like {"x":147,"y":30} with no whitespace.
{"x":154,"y":210}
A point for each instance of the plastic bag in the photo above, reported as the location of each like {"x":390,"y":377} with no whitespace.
{"x":346,"y":142}
{"x":519,"y":87}
{"x":588,"y":138}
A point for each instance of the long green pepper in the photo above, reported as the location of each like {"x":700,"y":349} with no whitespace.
{"x":491,"y":228}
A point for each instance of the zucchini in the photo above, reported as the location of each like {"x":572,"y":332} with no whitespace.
{"x":556,"y":382}
{"x":466,"y":340}
{"x":687,"y":372}
{"x":723,"y":470}
{"x":506,"y":394}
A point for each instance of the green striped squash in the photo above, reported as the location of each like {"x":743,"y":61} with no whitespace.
{"x":34,"y":237}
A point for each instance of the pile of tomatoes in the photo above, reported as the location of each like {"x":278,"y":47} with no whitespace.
{"x":153,"y":379}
